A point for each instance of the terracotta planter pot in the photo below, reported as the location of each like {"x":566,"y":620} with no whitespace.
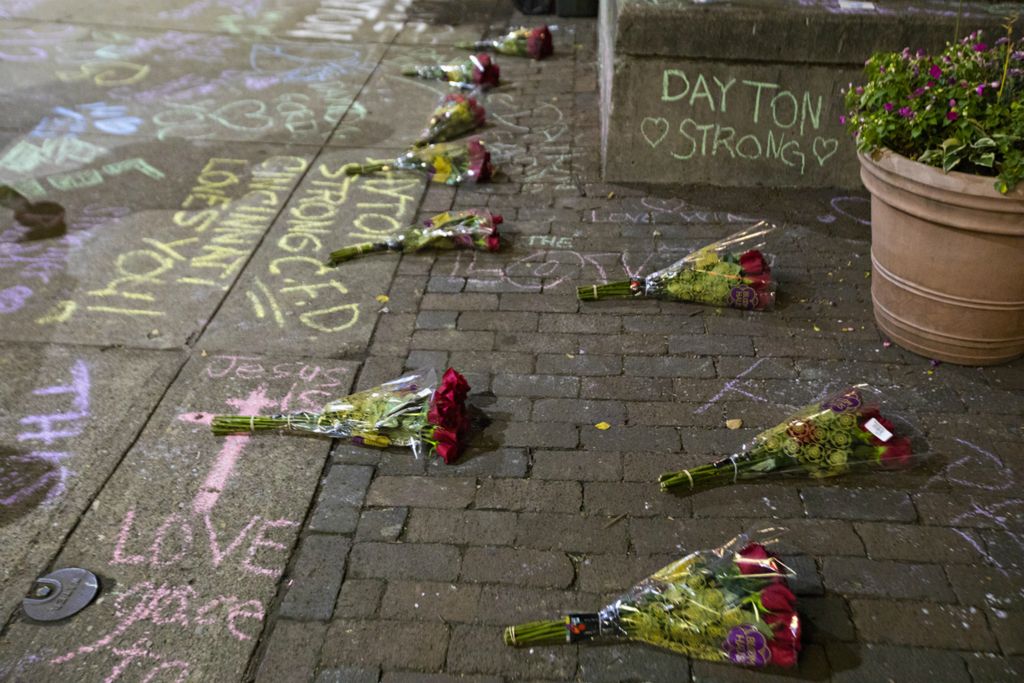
{"x":947,"y":252}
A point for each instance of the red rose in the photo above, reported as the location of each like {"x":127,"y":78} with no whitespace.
{"x":448,"y":446}
{"x":783,"y":654}
{"x":765,"y":299}
{"x":753,"y":263}
{"x":896,"y":453}
{"x":479,"y":114}
{"x":778,"y":598}
{"x":538,"y":43}
{"x":785,"y":642}
{"x":485,"y":71}
{"x":759,"y":282}
{"x":754,"y":559}
{"x":493,"y":243}
{"x":497,"y":220}
{"x":479,"y":161}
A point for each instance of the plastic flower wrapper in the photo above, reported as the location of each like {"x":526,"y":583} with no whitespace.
{"x":411,"y":411}
{"x":731,"y":272}
{"x":450,"y":163}
{"x":469,"y":229}
{"x":853,"y":428}
{"x":730,"y":604}
{"x":479,"y":71}
{"x":454,"y":116}
{"x":519,"y":42}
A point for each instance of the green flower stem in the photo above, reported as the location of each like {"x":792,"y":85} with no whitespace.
{"x":362,"y":169}
{"x":620,"y":289}
{"x":351,"y":252}
{"x":707,"y":476}
{"x":547,"y":632}
{"x":223,"y":425}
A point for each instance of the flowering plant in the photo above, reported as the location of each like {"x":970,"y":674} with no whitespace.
{"x":519,"y":42}
{"x":477,"y":71}
{"x":730,"y":604}
{"x":730,"y":272}
{"x":823,"y":439}
{"x":455,"y":115}
{"x":472,"y":228}
{"x":450,"y":163}
{"x":409,"y":411}
{"x":962,"y":109}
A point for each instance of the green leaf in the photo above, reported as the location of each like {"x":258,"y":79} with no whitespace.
{"x":986,"y":160}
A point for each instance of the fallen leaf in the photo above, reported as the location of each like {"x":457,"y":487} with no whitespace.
{"x":734,"y":424}
{"x":816,"y":328}
{"x":603,"y":426}
{"x":611,"y":195}
{"x":383,"y":298}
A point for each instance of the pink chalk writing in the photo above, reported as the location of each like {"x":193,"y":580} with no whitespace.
{"x":165,"y":605}
{"x":229,"y":453}
{"x":251,"y":368}
{"x":173,"y":542}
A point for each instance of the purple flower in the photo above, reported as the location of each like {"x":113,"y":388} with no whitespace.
{"x":952,"y":103}
{"x":906,"y":112}
{"x":980,"y":89}
{"x":918,"y":92}
{"x":887,"y":106}
{"x":859,"y":90}
{"x":921,"y":52}
{"x":952,"y":115}
{"x":935,"y":71}
{"x":980,"y":47}
{"x":842,"y":119}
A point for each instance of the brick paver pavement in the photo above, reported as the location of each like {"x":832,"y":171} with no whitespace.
{"x":384,"y":567}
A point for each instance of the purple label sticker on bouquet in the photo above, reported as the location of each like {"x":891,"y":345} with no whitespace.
{"x":747,"y":646}
{"x":743,"y":297}
{"x":843,"y":403}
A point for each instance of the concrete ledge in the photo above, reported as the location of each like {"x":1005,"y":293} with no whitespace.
{"x":748,"y":93}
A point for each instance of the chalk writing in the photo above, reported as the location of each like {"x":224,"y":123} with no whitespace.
{"x":41,"y":472}
{"x":97,"y":116}
{"x":13,"y":298}
{"x":107,"y":73}
{"x":344,"y":19}
{"x":538,"y":139}
{"x":784,"y":124}
{"x":26,"y":155}
{"x":215,"y":237}
{"x":252,"y":368}
{"x":548,"y":269}
{"x":298,"y":280}
{"x":288,"y":111}
{"x":654,"y":210}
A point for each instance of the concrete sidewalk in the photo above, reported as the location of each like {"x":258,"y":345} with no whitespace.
{"x":196,"y":147}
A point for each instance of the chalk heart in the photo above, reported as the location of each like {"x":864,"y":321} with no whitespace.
{"x":823,"y":148}
{"x":656,"y":125}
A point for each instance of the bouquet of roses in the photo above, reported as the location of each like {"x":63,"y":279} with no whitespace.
{"x":479,"y":71}
{"x":519,"y":42}
{"x":455,"y":115}
{"x":451,"y":163}
{"x":730,"y":272}
{"x":846,"y":430}
{"x":409,"y":411}
{"x":730,"y":604}
{"x":472,"y":228}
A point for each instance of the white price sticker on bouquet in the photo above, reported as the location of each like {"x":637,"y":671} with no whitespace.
{"x":876,"y":428}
